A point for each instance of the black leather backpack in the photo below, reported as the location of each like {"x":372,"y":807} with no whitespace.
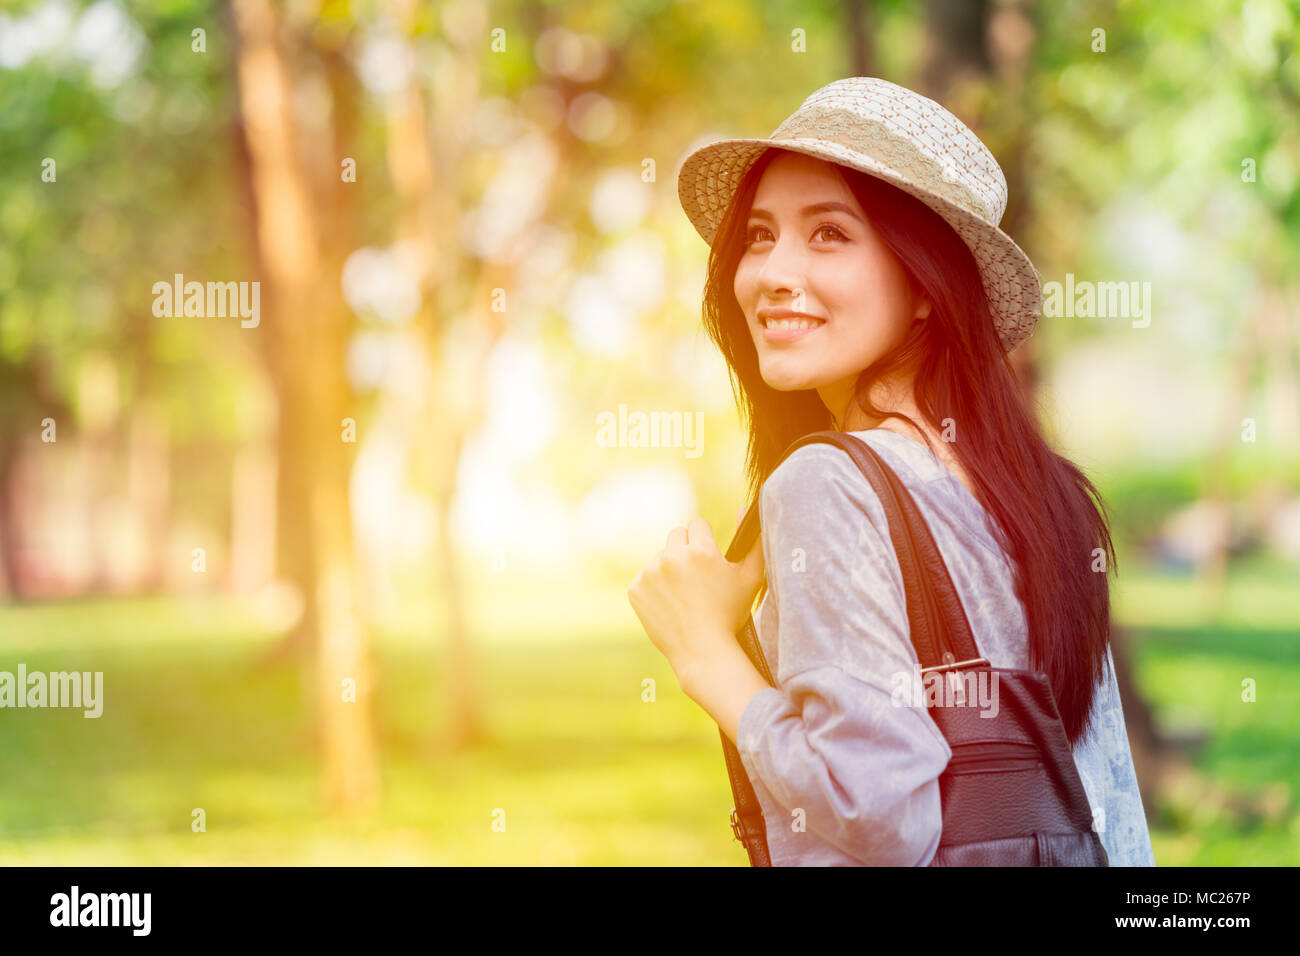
{"x":1011,"y":793}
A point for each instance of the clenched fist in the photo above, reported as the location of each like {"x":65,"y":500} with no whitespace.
{"x":691,"y":600}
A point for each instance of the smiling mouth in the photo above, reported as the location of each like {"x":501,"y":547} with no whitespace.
{"x":792,"y":324}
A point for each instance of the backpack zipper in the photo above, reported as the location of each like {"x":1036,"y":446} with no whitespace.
{"x":992,"y":757}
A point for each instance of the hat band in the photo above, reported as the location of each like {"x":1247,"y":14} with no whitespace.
{"x":874,"y":140}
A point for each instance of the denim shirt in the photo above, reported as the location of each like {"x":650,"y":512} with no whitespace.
{"x":846,"y":777}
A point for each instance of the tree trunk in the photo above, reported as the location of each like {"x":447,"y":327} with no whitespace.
{"x":11,"y":584}
{"x":252,"y":517}
{"x":306,"y":329}
{"x":149,"y":489}
{"x":429,"y":211}
{"x":859,"y":22}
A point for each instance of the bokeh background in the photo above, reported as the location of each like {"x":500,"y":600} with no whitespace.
{"x":463,"y":220}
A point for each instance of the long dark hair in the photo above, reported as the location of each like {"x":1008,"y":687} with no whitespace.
{"x":1048,"y":516}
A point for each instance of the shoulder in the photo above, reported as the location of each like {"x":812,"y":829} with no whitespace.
{"x":839,"y":596}
{"x":824,"y":467}
{"x":818,"y":486}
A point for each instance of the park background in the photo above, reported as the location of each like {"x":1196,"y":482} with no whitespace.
{"x":464,"y":222}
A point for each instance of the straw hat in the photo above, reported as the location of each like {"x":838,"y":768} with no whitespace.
{"x":907,"y":140}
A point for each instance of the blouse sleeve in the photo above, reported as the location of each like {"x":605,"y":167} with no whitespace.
{"x":835,"y":738}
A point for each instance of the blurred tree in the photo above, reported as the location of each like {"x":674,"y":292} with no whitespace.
{"x":860,"y":24}
{"x":306,"y":334}
{"x":100,"y":144}
{"x":427,"y":162}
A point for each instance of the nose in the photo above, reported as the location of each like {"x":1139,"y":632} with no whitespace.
{"x":781,"y":274}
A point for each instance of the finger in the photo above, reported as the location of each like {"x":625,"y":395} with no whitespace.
{"x":700,"y":534}
{"x":676,"y":539}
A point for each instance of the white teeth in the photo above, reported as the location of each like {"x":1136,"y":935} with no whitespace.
{"x":792,"y":323}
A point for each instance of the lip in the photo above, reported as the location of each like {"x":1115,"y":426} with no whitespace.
{"x":786,"y":335}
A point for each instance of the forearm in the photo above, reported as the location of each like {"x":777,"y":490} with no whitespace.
{"x":722,"y":684}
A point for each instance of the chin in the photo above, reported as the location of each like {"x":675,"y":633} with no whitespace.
{"x":787,"y":382}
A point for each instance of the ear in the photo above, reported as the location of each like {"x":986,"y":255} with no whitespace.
{"x":922,"y":307}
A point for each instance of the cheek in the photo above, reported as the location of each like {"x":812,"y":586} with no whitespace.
{"x":870,"y":292}
{"x":743,"y":284}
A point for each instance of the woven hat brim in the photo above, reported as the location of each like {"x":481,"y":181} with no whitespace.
{"x":708,"y":178}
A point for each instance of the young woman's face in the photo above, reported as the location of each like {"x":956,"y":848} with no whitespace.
{"x":810,"y":250}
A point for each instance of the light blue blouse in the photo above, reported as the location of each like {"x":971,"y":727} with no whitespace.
{"x":846,"y":777}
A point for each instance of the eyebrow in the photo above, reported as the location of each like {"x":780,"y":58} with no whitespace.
{"x":807,"y":211}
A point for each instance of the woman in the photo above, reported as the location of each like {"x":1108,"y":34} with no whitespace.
{"x":858,"y":281}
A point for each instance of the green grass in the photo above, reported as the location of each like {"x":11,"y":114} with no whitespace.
{"x":586,"y":772}
{"x":1192,"y":657}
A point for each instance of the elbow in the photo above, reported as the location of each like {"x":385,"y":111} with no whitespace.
{"x":928,"y":850}
{"x":904,"y":849}
{"x":906,"y":833}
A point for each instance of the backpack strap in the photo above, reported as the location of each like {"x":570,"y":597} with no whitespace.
{"x":937,"y":622}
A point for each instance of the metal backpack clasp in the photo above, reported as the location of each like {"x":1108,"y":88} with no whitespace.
{"x":955,"y":684}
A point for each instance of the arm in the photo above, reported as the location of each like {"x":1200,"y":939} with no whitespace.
{"x":831,"y":739}
{"x":723,"y":686}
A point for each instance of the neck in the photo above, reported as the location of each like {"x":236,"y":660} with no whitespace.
{"x":853,"y":418}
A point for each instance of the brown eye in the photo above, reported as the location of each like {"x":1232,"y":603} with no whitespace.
{"x":750,"y":237}
{"x":833,"y":229}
